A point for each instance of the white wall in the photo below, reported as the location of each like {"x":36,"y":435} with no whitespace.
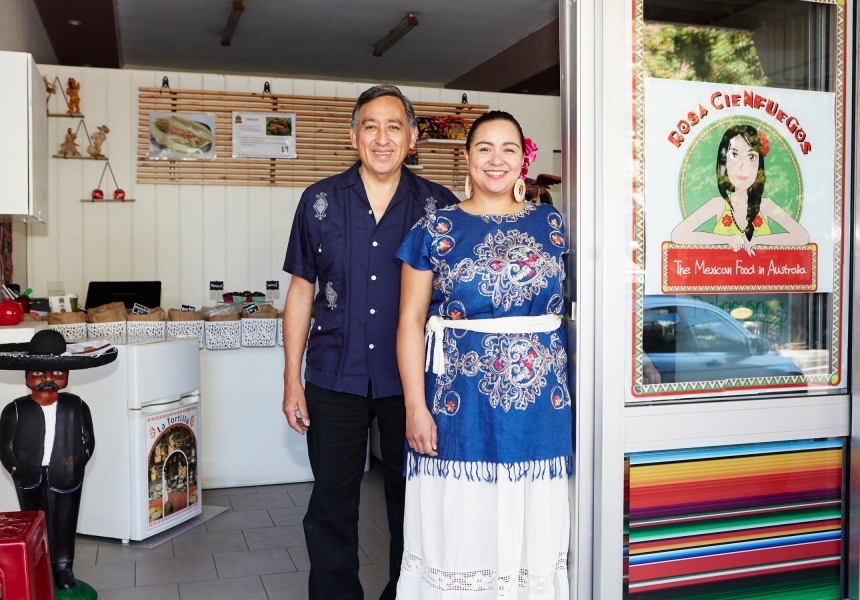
{"x":21,"y":30}
{"x":186,"y":235}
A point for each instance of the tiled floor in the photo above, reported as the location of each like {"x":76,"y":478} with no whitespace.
{"x":253,"y":551}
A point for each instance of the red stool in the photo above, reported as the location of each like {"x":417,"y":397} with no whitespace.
{"x":25,"y":564}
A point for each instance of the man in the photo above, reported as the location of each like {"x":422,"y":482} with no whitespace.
{"x":46,"y":440}
{"x":346,"y":231}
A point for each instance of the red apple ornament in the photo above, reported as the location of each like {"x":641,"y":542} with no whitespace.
{"x":98,"y":194}
{"x":10,"y":313}
{"x":119,"y":194}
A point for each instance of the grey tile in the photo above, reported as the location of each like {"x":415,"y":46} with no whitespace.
{"x":240,"y":588}
{"x":382,"y":523}
{"x":246,"y":519}
{"x":301,"y":497}
{"x":267,"y":500}
{"x":176,"y":570}
{"x":117,"y":552}
{"x":234,"y":491}
{"x":217,"y":501}
{"x":85,"y":552}
{"x":255,"y":562}
{"x":291,"y":515}
{"x":286,"y":487}
{"x":275,"y":537}
{"x":373,"y":579}
{"x":287,"y":586}
{"x":374,"y":541}
{"x":156,"y":592}
{"x":299,"y":556}
{"x":199,"y":542}
{"x":375,"y":475}
{"x":107,"y":577}
{"x":372,"y":506}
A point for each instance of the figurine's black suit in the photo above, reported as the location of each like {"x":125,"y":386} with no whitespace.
{"x":55,"y":488}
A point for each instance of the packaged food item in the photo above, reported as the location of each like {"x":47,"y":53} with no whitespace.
{"x":66,"y":318}
{"x":411,"y":157}
{"x":264,"y":311}
{"x":456,"y":128}
{"x":107,"y":313}
{"x":175,"y":314}
{"x":431,"y":128}
{"x":154,"y":314}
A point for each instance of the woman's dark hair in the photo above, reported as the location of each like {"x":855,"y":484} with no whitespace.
{"x":494,"y":115}
{"x":378,"y":91}
{"x":754,"y":193}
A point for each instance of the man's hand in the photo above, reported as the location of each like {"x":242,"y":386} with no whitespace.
{"x":297,"y":322}
{"x":295,"y":408}
{"x":421,"y":432}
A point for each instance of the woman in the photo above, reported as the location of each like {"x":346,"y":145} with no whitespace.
{"x":489,"y":426}
{"x":742,"y":214}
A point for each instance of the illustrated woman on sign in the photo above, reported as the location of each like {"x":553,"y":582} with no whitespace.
{"x":742,"y":214}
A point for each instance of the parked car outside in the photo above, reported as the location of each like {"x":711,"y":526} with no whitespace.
{"x":690,"y":340}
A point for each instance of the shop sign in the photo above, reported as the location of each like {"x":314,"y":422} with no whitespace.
{"x":739,"y":188}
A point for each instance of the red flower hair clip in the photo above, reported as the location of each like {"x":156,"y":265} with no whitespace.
{"x":530,"y":154}
{"x":765,"y":143}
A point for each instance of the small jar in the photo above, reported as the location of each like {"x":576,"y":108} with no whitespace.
{"x":24,"y":303}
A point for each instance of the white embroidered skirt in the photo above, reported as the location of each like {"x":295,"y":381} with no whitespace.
{"x":478,"y":540}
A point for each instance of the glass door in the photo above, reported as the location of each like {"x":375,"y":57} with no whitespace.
{"x":710,"y":149}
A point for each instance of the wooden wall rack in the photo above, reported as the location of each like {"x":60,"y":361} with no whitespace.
{"x":322,"y":140}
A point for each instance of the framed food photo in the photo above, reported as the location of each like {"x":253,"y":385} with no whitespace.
{"x":175,"y":136}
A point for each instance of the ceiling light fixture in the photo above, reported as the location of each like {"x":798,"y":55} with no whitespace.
{"x":401,"y":29}
{"x":232,"y":22}
{"x":74,"y":22}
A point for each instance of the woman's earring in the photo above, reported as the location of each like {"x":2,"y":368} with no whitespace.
{"x":520,"y":190}
{"x":467,"y":187}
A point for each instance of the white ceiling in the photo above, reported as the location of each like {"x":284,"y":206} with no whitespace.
{"x":326,"y":38}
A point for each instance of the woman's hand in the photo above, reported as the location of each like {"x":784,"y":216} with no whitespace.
{"x":421,"y":431}
{"x":749,"y":245}
{"x":736,"y":242}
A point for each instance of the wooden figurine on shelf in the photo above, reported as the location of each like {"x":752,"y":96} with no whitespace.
{"x":72,"y":90}
{"x":97,"y":139}
{"x":50,"y":89}
{"x":69,"y":147}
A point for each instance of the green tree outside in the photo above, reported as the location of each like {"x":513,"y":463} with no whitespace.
{"x":702,"y":54}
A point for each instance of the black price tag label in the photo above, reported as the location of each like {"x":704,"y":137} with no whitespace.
{"x":216,"y":285}
{"x":139,"y":309}
{"x":252,"y":307}
{"x":273,"y":284}
{"x":186,"y":308}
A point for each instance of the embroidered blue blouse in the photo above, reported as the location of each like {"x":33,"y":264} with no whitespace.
{"x":503,"y":398}
{"x":336,"y":240}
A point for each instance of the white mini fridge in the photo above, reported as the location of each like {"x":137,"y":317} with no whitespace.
{"x":144,"y":475}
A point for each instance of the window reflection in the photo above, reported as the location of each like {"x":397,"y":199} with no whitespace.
{"x":706,"y":337}
{"x":688,"y":339}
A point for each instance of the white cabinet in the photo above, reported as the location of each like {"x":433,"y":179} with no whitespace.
{"x":23,"y":138}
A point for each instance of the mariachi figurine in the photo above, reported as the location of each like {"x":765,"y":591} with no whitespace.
{"x":46,"y":479}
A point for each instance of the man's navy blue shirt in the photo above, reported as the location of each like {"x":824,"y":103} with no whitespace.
{"x":336,"y":240}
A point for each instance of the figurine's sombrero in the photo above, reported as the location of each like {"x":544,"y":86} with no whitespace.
{"x":42,"y":353}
